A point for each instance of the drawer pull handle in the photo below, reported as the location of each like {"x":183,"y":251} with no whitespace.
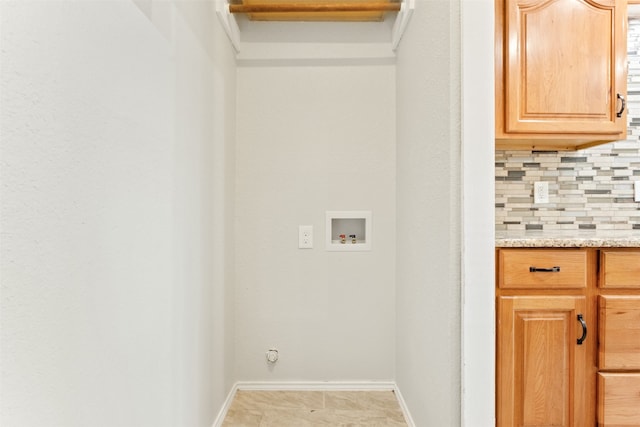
{"x":584,"y":329}
{"x":544,"y":270}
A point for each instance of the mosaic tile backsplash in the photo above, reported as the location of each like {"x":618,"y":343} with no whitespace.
{"x":588,"y":189}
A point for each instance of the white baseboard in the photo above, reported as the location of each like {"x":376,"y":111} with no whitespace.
{"x":313,"y":386}
{"x":403,"y":406}
{"x":225,"y":406}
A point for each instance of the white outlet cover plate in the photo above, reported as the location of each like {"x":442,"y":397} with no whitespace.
{"x":305,"y":237}
{"x":636,"y":193}
{"x":541,"y":192}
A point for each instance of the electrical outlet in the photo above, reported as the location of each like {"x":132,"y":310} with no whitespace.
{"x":636,"y":193}
{"x":540,"y":192}
{"x":305,"y":237}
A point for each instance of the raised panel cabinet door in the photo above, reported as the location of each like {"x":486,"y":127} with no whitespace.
{"x":565,"y":65}
{"x":541,"y":368}
{"x":618,"y":399}
{"x":619,"y":333}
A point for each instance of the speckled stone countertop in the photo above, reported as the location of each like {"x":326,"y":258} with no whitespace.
{"x":568,"y":239}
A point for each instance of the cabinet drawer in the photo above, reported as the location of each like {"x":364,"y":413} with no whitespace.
{"x":542,"y":269}
{"x":619,"y":332}
{"x":618,"y":400}
{"x":619,"y":269}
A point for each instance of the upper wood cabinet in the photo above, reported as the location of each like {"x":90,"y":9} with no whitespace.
{"x":561,"y":73}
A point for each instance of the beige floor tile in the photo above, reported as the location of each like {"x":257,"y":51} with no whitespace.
{"x":343,"y":417}
{"x":278,"y":399}
{"x":384,"y":402}
{"x":314,"y":408}
{"x":379,"y":399}
{"x":343,"y":400}
{"x":361,"y":400}
{"x":322,"y":417}
{"x":287,"y":418}
{"x":242,"y":418}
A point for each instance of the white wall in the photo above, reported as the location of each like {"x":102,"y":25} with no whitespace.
{"x":428,"y":307}
{"x":478,"y":297}
{"x":444,"y":174}
{"x":115,"y":121}
{"x":117,"y":209}
{"x":313,"y":137}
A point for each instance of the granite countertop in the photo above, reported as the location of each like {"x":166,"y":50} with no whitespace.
{"x":568,"y":239}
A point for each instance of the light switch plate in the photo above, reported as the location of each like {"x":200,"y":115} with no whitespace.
{"x":636,"y":193}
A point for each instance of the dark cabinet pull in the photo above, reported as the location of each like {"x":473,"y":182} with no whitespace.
{"x":624,"y":104}
{"x":544,"y":270}
{"x":584,"y":329}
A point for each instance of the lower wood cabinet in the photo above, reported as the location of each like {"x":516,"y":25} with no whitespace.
{"x":568,"y":337}
{"x":542,"y":365}
{"x":620,"y":269}
{"x":619,"y":359}
{"x":618,"y":399}
{"x":619,"y":333}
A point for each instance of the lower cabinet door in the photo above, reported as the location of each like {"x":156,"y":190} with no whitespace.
{"x":618,"y":399}
{"x":542,"y":369}
{"x":619,"y":333}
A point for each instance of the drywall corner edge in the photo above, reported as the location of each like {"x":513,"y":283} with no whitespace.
{"x":229,"y":23}
{"x":402,"y":20}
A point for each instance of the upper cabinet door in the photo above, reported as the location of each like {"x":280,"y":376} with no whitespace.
{"x":564,"y":69}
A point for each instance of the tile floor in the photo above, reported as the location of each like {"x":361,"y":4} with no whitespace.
{"x":314,"y":408}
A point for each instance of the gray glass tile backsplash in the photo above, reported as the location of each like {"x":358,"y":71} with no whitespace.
{"x":588,"y":189}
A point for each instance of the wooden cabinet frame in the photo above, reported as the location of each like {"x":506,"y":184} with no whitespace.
{"x":561,"y":73}
{"x":542,"y":377}
{"x":541,"y":368}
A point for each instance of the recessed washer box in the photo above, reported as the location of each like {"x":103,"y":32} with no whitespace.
{"x":342,"y":225}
